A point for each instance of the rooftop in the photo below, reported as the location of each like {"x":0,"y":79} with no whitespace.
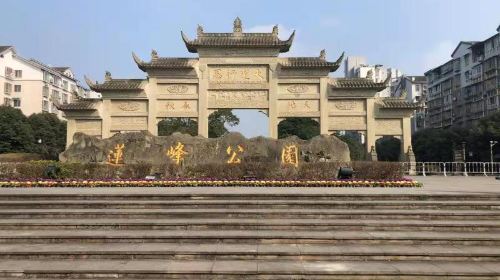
{"x":396,"y":103}
{"x":80,"y":105}
{"x":311,"y":62}
{"x":4,"y":48}
{"x":238,"y":39}
{"x":111,"y":84}
{"x":357,"y":83}
{"x":164,"y":62}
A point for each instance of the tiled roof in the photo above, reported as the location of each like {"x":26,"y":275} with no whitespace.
{"x":356,"y":83}
{"x":246,"y":40}
{"x":308,"y":62}
{"x":165,"y":63}
{"x":393,"y":103}
{"x":60,"y":69}
{"x":4,"y":48}
{"x":116,"y":85}
{"x":77,"y":106}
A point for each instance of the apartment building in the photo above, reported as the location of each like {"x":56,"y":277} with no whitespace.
{"x":356,"y":67}
{"x":467,"y":87}
{"x":32,"y":86}
{"x":414,"y":90}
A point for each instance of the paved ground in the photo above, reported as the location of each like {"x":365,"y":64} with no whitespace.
{"x":432,"y":185}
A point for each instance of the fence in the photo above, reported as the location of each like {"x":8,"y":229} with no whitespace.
{"x":452,"y":168}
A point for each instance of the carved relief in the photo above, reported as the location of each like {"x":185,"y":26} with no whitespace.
{"x":297,"y":88}
{"x":128,"y":106}
{"x":246,"y":74}
{"x":177,"y":88}
{"x":129,"y":123}
{"x":347,"y":123}
{"x":238,"y":99}
{"x":388,"y":127}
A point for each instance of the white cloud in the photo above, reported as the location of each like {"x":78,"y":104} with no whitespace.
{"x":438,"y":54}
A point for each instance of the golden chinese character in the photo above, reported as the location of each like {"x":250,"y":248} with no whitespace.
{"x":177,"y":153}
{"x":170,"y":106}
{"x":186,"y":106}
{"x":290,"y":155}
{"x":116,"y":156}
{"x":234,"y":159}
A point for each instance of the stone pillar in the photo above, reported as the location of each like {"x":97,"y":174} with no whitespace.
{"x":106,"y":118}
{"x":152,"y":91}
{"x":323,"y":106}
{"x":273,"y":101}
{"x":372,"y":155}
{"x":406,"y":137}
{"x":370,"y":127}
{"x":203,"y":102}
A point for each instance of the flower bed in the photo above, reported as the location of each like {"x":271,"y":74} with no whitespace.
{"x":68,"y":183}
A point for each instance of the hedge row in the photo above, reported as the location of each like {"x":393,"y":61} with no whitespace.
{"x":309,"y":171}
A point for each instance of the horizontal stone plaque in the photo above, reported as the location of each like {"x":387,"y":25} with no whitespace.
{"x":177,"y":89}
{"x":348,"y":105}
{"x":388,"y":127}
{"x":121,"y":107}
{"x":299,"y":88}
{"x":89,"y":127}
{"x":297,"y":106}
{"x":238,"y":99}
{"x":347,"y":123}
{"x":238,"y":74}
{"x":129,"y":123}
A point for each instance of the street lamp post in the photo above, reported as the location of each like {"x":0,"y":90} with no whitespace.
{"x":492,"y":143}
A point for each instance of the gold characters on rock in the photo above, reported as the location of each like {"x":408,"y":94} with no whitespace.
{"x":177,"y":153}
{"x":290,"y":155}
{"x":234,"y":154}
{"x":115,"y":156}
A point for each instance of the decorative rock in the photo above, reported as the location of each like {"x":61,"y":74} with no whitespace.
{"x":144,"y":147}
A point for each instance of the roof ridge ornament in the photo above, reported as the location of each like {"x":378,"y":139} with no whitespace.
{"x":322,"y":54}
{"x":199,"y":30}
{"x":275,"y":30}
{"x":237,"y":26}
{"x":154,"y":54}
{"x":107,"y":76}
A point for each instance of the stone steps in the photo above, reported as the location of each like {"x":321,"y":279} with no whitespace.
{"x":356,"y":214}
{"x":251,"y":224}
{"x":250,"y":237}
{"x":253,"y":204}
{"x":230,"y":269}
{"x":220,"y":251}
{"x":272,"y":235}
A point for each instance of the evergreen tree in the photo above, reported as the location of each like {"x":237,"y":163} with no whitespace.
{"x":16,"y":134}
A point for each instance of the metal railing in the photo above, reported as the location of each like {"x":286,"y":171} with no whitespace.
{"x":452,"y":168}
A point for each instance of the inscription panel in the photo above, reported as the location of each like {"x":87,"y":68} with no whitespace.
{"x":237,"y":74}
{"x":388,"y":127}
{"x":256,"y":99}
{"x":298,"y":89}
{"x":177,"y":108}
{"x":298,"y":107}
{"x":89,"y":127}
{"x":348,"y":105}
{"x":347,"y":123}
{"x":129,"y":123}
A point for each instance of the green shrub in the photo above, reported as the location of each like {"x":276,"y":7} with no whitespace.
{"x":377,"y":170}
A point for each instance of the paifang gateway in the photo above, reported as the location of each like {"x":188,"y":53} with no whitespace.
{"x":240,"y":70}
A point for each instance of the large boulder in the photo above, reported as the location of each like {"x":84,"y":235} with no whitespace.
{"x":145,"y":147}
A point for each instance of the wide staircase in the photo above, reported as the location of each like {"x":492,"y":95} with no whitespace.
{"x":249,"y":236}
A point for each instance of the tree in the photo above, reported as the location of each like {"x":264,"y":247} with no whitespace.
{"x":356,"y":149}
{"x":304,"y":128}
{"x":182,"y":125}
{"x":16,"y":134}
{"x":217,"y":122}
{"x":50,"y":134}
{"x":388,"y":148}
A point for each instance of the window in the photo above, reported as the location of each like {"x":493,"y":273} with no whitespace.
{"x":8,"y":72}
{"x":7,"y":88}
{"x":417,"y":87}
{"x":16,"y":102}
{"x":55,"y":96}
{"x":17,"y":88}
{"x":492,"y":100}
{"x":6,"y":101}
{"x":18,"y":73}
{"x":45,"y":106}
{"x":65,"y":98}
{"x":45,"y":91}
{"x":467,"y":59}
{"x":65,"y":85}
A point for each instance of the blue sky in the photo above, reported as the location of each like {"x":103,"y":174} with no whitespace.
{"x":93,"y":36}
